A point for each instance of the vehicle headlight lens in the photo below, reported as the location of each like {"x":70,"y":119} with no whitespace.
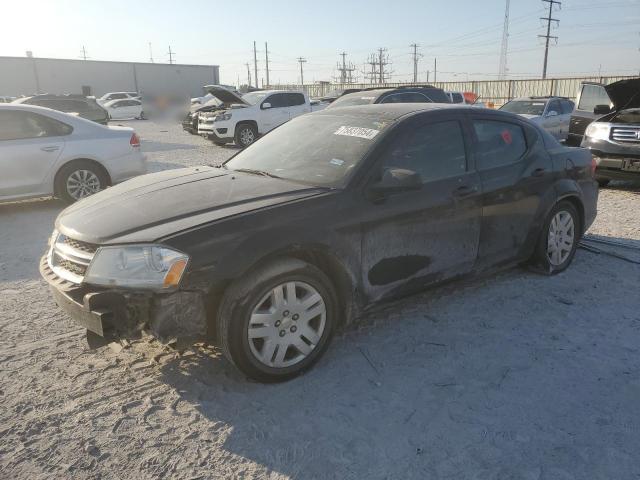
{"x":137,"y":266}
{"x":598,"y":131}
{"x":222,"y":117}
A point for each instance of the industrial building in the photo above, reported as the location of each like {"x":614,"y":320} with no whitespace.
{"x":30,"y":75}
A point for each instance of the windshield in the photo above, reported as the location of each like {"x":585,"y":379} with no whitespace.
{"x":320,"y":150}
{"x":358,"y":98}
{"x":254,"y":97}
{"x":627,"y":116}
{"x":526,"y":107}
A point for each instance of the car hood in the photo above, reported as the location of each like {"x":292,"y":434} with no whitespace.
{"x":150,"y":207}
{"x":225,"y":96}
{"x":624,"y":93}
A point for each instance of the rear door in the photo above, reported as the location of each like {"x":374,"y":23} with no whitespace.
{"x":516,"y":174}
{"x":276,"y":114}
{"x":297,"y":104}
{"x":590,"y":95}
{"x":30,"y":145}
{"x":415,"y":238}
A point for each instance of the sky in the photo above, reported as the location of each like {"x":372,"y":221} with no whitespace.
{"x":463,"y":35}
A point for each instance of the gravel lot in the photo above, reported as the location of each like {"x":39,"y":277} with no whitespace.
{"x":509,"y":376}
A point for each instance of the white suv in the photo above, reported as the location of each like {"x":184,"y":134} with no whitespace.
{"x":250,"y":115}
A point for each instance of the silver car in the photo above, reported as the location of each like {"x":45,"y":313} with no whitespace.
{"x":45,"y":152}
{"x":551,"y":113}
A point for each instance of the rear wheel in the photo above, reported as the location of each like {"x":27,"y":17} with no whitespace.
{"x":78,"y":180}
{"x":276,"y":322}
{"x":559,"y":239}
{"x":245,"y":135}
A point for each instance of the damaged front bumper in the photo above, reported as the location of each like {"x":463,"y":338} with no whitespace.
{"x":114,"y":314}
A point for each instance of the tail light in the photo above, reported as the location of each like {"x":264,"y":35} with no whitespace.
{"x":135,"y":140}
{"x":594,"y":164}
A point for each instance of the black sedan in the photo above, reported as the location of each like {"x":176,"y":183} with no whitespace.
{"x":271,"y":253}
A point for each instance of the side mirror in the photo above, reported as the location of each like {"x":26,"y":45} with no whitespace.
{"x":397,"y":180}
{"x":266,"y":105}
{"x":552,"y":113}
{"x":601,"y":109}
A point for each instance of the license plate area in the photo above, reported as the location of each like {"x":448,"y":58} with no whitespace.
{"x":631,"y":165}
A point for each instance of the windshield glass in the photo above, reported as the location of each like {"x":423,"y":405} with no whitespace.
{"x":320,"y":150}
{"x":526,"y":107}
{"x":627,"y":116}
{"x":254,"y":97}
{"x":358,"y":98}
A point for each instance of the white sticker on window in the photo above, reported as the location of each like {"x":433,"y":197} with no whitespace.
{"x":360,"y":132}
{"x":367,"y":98}
{"x":336,"y":161}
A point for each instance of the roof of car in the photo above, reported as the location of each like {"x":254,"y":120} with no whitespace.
{"x":542,"y":97}
{"x":390,"y":110}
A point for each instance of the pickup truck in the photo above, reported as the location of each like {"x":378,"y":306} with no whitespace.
{"x":247,"y":117}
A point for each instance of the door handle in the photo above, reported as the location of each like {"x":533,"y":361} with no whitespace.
{"x":52,"y":148}
{"x":538,"y":172}
{"x":464,"y":191}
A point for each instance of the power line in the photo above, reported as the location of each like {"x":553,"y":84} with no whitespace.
{"x":502,"y":69}
{"x":171,"y":54}
{"x":301,"y":60}
{"x":548,"y":35}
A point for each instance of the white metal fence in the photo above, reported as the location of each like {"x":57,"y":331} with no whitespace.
{"x":494,"y":91}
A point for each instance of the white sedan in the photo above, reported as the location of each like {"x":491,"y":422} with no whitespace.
{"x":124,"y":109}
{"x":45,"y":152}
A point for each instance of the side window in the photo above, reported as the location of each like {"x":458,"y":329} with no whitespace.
{"x":554,"y":105}
{"x":295,"y":99}
{"x":434,"y":150}
{"x":277,"y":100}
{"x":591,"y":96}
{"x":16,"y":125}
{"x":567,"y":106}
{"x":117,"y":104}
{"x":499,"y":143}
{"x":457,"y":97}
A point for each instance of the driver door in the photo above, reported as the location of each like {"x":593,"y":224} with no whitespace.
{"x":415,"y":238}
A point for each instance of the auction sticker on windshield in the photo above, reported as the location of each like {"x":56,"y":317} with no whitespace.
{"x":360,"y":132}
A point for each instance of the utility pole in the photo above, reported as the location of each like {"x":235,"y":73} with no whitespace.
{"x":266,"y":61}
{"x":248,"y":75}
{"x":435,"y":70}
{"x":84,"y":53}
{"x":548,"y":35}
{"x":150,"y":53}
{"x":171,"y":54}
{"x":255,"y":63}
{"x":416,"y":57}
{"x":502,"y":69}
{"x":301,"y":60}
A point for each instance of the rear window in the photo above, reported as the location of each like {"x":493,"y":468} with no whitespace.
{"x":457,"y":97}
{"x":359,"y":98}
{"x":591,"y":96}
{"x":407,"y":97}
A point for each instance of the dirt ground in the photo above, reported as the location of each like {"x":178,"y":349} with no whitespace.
{"x":509,"y":376}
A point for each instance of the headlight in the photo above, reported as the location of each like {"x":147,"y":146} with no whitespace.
{"x":598,"y":131}
{"x":137,"y":266}
{"x":222,"y":117}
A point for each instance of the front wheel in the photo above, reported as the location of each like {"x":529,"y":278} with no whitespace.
{"x":245,"y":135}
{"x":276,"y":322}
{"x":559,"y":239}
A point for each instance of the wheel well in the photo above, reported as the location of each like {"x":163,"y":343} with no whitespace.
{"x":97,"y":165}
{"x":253,"y":123}
{"x":577,"y":203}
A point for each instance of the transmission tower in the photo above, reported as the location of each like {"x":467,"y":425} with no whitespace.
{"x":346,"y":70}
{"x":378,"y":63}
{"x":502,"y":70}
{"x":548,"y":35}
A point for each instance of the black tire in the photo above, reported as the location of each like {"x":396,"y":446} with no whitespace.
{"x":540,"y":258}
{"x":62,"y":178}
{"x":245,"y":135}
{"x":240,"y":300}
{"x":603,"y":182}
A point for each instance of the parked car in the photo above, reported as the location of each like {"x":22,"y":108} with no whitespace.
{"x":124,"y":109}
{"x":295,"y":235}
{"x":456,"y":97}
{"x":333,"y":95}
{"x":551,"y":113}
{"x":595,"y":100}
{"x":614,"y":139}
{"x":248,"y":116}
{"x":426,"y":94}
{"x":109,"y":97}
{"x":45,"y":152}
{"x":190,"y":120}
{"x":82,"y":106}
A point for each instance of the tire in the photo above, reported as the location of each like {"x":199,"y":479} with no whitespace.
{"x":85,"y":172}
{"x":245,"y":135}
{"x":141,"y":117}
{"x":603,"y":182}
{"x":253,"y":293}
{"x":551,"y":240}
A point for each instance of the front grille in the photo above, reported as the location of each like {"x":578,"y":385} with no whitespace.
{"x":79,"y":245}
{"x":69,"y":258}
{"x":75,"y":268}
{"x":626,"y":134}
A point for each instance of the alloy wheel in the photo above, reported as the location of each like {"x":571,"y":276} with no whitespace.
{"x":286,"y":325}
{"x":561,"y":238}
{"x":82,"y":183}
{"x":246,"y":136}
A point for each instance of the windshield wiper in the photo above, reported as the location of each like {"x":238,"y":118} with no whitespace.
{"x":257,"y":172}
